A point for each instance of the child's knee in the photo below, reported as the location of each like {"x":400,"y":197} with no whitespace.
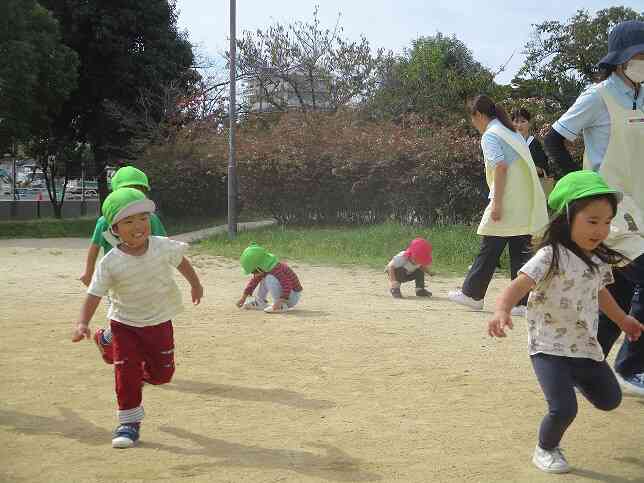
{"x":610,"y":403}
{"x":564,"y":413}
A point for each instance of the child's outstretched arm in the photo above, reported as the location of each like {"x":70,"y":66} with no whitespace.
{"x":81,"y":330}
{"x":514,"y":292}
{"x":185,"y":268}
{"x":90,"y":264}
{"x":630,"y":325}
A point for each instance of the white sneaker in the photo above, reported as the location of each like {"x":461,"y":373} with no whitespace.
{"x":460,"y":298}
{"x":633,"y":385}
{"x":255,"y":304}
{"x":281,"y":310}
{"x":519,"y":311}
{"x":552,"y":461}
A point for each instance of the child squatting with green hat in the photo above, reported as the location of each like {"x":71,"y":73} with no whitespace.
{"x":127,"y":176}
{"x":273,"y":277}
{"x":138,"y":275}
{"x":567,"y":279}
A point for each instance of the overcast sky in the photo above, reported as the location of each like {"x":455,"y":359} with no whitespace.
{"x":492,"y":29}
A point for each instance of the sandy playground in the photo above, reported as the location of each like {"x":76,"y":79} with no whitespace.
{"x":351,"y":386}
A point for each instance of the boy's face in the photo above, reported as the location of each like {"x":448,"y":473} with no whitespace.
{"x":134,"y":230}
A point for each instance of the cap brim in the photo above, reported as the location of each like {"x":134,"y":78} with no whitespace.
{"x":142,"y":206}
{"x":618,"y":57}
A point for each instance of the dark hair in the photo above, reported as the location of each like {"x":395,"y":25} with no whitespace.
{"x":559,"y":231}
{"x":486,"y":106}
{"x":604,"y":72}
{"x":521,"y":113}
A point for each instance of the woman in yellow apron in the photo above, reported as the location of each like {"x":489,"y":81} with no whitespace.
{"x":610,"y":116}
{"x":517,"y":206}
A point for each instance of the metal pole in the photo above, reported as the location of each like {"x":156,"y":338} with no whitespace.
{"x":232,"y":115}
{"x":13,"y":179}
{"x":82,"y":210}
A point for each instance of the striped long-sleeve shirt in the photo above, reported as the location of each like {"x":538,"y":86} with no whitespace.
{"x":283,"y":273}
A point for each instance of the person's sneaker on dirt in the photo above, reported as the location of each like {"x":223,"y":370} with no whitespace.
{"x":104,"y":347}
{"x":633,"y":385}
{"x":519,"y":311}
{"x":281,"y":309}
{"x":550,"y":461}
{"x":460,"y":298}
{"x":423,"y":292}
{"x":255,"y":304}
{"x":126,"y":435}
{"x":395,"y":293}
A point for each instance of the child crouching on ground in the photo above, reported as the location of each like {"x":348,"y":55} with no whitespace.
{"x":273,"y":277}
{"x":138,"y":276}
{"x":410,"y":264}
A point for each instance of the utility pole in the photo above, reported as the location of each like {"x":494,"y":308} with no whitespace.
{"x":232,"y":115}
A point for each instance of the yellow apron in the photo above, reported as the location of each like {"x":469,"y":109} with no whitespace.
{"x":524,"y":203}
{"x":623,"y":169}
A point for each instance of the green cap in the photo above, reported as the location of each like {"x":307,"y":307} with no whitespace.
{"x":576,"y":185}
{"x":129,"y":176}
{"x":125,"y":202}
{"x":255,"y":257}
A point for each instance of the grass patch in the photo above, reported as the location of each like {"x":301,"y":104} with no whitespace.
{"x":84,"y":227}
{"x":454,"y":247}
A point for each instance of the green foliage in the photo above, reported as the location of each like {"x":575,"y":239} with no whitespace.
{"x":454,"y":247}
{"x":434,"y":79}
{"x":562,"y":57}
{"x":134,"y":62}
{"x":37,"y":72}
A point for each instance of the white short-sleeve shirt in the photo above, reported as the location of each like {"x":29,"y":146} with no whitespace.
{"x":563,"y":310}
{"x":401,"y":261}
{"x":142,"y":288}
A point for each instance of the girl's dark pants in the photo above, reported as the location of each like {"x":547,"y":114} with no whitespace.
{"x":480,"y":275}
{"x":558,"y":377}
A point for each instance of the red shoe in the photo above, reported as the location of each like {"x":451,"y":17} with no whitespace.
{"x":107,"y":352}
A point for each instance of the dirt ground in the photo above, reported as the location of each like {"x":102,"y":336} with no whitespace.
{"x":350,"y":386}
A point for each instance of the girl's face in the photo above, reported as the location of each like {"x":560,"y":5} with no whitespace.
{"x":522,"y":125}
{"x":134,"y":230}
{"x":591,"y":225}
{"x":479,"y":121}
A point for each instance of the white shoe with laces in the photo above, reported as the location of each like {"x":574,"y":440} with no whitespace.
{"x":271,"y":310}
{"x":552,"y":461}
{"x":255,"y":304}
{"x":519,"y":311}
{"x":460,"y":298}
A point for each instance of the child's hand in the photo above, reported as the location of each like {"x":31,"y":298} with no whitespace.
{"x":86,"y":278}
{"x":241,"y":301}
{"x":497,"y":209}
{"x":632,"y":328}
{"x":197,"y":293}
{"x":496,"y":325}
{"x":81,"y":331}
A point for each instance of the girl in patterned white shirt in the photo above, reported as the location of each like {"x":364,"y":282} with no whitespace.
{"x":567,"y":278}
{"x":138,"y":274}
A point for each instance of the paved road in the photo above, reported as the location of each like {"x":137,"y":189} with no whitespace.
{"x":81,"y":243}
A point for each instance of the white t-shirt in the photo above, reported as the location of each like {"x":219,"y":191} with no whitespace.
{"x":142,"y":288}
{"x":401,"y":261}
{"x":563,"y":311}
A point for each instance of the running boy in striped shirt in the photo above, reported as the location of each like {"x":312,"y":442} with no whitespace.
{"x":138,"y":276}
{"x":273,"y":277}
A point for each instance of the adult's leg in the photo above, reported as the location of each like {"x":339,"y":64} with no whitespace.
{"x":608,"y":331}
{"x":630,"y":359}
{"x":555,"y":376}
{"x":519,"y":247}
{"x":480,"y":274}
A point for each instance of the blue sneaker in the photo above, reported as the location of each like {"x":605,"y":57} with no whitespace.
{"x":632,"y":384}
{"x":126,"y":435}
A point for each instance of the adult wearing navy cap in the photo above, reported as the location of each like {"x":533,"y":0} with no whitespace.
{"x":610,"y":116}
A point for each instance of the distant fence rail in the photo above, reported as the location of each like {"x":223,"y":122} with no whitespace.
{"x":33,"y":209}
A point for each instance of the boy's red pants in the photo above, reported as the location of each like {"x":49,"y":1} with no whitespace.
{"x":140,"y":354}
